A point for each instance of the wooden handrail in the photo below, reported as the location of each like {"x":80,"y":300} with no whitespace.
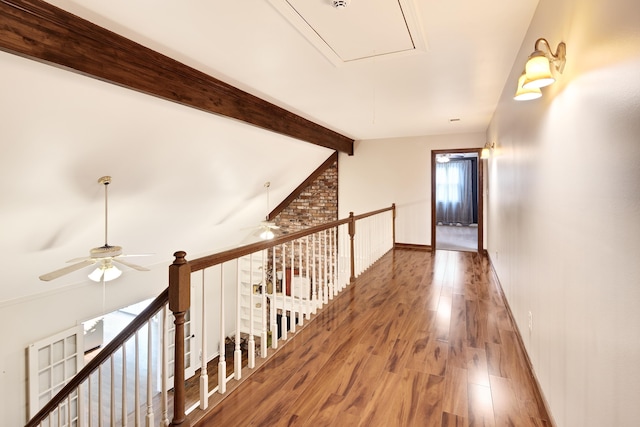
{"x":101,"y":357}
{"x":218,"y":258}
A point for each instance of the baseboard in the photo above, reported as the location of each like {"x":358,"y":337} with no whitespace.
{"x":544,"y":402}
{"x":412,"y":246}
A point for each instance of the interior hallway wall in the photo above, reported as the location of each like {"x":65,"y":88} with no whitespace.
{"x":396,"y":170}
{"x":564,"y":209}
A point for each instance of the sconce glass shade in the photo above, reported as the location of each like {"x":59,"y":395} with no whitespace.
{"x":110,"y":272}
{"x":486,"y":153}
{"x":526,"y":94}
{"x":538,"y":71}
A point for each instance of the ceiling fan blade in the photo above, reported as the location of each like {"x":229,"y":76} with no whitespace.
{"x":128,"y":264}
{"x":82,"y":258}
{"x":66,"y":270}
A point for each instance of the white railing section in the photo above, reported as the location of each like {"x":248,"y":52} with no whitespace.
{"x":268,"y":294}
{"x":250,"y":299}
{"x":118,"y":387}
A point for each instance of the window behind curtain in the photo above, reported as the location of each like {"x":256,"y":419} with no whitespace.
{"x":455,"y":199}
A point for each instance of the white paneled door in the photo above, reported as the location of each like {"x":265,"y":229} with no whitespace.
{"x":52,"y":362}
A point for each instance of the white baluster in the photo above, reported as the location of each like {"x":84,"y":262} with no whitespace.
{"x":332,"y":278}
{"x":314,"y":274}
{"x":263,"y":306}
{"x":237,"y":355}
{"x":320,"y":270}
{"x":284,"y":319}
{"x":301,"y":302}
{"x":332,"y":257}
{"x":80,"y":404}
{"x":222,"y":364}
{"x":251,"y":352}
{"x":204,"y":376}
{"x":136,"y":391}
{"x":149,"y":418}
{"x":308,"y":291}
{"x":325,"y":269}
{"x":165,"y":366}
{"x":89,"y":406}
{"x":69,"y":411}
{"x":112,"y":398}
{"x":273,"y":310}
{"x":124,"y":385}
{"x":100,"y":396}
{"x":294,"y":309}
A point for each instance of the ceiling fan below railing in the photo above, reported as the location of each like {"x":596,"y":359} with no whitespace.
{"x":105,"y":256}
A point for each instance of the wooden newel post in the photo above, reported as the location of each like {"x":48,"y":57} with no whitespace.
{"x":393,"y":222}
{"x":179,"y":301}
{"x":352,"y":235}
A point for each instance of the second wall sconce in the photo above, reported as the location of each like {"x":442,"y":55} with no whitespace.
{"x":537,"y":72}
{"x":486,"y":150}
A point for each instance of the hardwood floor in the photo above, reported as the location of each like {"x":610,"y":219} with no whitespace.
{"x":421,"y":339}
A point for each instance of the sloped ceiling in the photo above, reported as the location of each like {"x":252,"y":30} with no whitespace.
{"x":187,"y":180}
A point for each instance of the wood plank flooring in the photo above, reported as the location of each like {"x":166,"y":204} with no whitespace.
{"x":421,"y":339}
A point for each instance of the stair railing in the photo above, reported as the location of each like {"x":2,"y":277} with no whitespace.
{"x":274,"y":286}
{"x":84,"y":400}
{"x":296,"y":275}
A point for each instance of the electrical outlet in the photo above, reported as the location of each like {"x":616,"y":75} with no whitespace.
{"x":530,"y":322}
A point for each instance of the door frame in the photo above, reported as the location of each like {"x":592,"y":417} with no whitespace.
{"x":434,"y":153}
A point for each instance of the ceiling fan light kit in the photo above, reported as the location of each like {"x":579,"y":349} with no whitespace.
{"x":106,"y":271}
{"x":106,"y":255}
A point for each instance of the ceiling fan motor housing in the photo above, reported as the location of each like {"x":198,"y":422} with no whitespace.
{"x":106,"y":252}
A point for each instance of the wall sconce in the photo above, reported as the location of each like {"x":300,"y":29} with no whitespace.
{"x":537,"y":71}
{"x":486,"y":150}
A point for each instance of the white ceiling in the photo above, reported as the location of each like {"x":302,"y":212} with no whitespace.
{"x":366,"y":30}
{"x":184,"y":179}
{"x":471,"y":49}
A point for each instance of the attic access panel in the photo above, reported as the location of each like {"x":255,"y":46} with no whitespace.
{"x":363,"y":30}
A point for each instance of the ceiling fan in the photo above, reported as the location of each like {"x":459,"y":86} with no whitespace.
{"x":105,"y":256}
{"x":267,"y":230}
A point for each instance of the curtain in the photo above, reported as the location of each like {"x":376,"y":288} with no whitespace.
{"x":454,"y":192}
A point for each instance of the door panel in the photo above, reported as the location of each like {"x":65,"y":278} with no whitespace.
{"x":52,"y":362}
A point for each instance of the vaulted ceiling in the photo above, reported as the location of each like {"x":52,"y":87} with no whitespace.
{"x":187,"y":179}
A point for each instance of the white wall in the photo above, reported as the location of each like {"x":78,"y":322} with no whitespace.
{"x":564,"y":210}
{"x":396,"y":170}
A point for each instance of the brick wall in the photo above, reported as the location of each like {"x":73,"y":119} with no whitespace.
{"x":317,"y":204}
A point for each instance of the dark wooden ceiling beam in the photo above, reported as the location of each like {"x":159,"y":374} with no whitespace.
{"x":37,"y":30}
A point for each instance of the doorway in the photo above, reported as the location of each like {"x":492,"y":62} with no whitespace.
{"x":457,"y":200}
